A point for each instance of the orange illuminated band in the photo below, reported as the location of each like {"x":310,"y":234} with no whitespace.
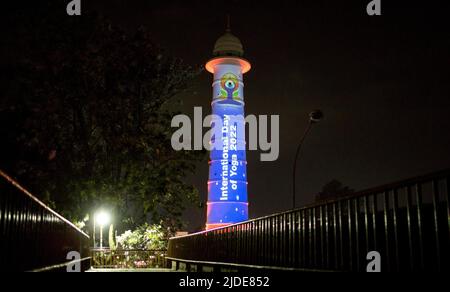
{"x":244,"y":64}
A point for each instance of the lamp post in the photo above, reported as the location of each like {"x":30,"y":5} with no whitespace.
{"x":93,"y":235}
{"x":102,"y":218}
{"x":314,"y":117}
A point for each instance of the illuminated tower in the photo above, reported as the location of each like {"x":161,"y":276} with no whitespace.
{"x":227,"y":185}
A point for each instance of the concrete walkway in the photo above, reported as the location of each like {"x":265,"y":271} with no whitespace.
{"x":129,"y":271}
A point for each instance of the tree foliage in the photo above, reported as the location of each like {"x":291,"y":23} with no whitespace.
{"x":91,"y":126}
{"x":145,"y":237}
{"x":333,"y":190}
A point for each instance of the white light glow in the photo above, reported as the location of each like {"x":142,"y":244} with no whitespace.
{"x":102,"y":218}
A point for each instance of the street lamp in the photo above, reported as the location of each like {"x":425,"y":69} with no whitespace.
{"x":314,"y":117}
{"x":102,"y":218}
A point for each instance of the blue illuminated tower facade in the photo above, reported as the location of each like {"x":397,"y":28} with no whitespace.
{"x":227,"y":184}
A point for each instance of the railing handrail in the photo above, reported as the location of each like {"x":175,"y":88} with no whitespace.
{"x":375,"y":190}
{"x":26,"y":192}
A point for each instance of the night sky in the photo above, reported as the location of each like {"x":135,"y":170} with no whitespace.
{"x":382,"y":82}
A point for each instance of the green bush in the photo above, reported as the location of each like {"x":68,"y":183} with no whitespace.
{"x":145,"y":237}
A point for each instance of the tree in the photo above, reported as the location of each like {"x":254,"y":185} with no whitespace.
{"x":333,"y":190}
{"x":91,"y":125}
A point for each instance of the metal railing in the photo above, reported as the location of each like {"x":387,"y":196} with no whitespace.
{"x":407,"y":222}
{"x":33,"y":237}
{"x":127,"y":259}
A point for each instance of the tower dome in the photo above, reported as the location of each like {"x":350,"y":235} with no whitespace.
{"x":228,"y":49}
{"x":228,"y":45}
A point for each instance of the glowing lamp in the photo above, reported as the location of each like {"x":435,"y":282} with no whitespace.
{"x":102,"y":218}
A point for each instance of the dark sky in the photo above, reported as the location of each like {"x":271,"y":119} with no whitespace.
{"x":382,"y":82}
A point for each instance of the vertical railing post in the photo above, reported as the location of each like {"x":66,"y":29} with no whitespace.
{"x":366,"y":223}
{"x":264,"y":255}
{"x":327,"y":242}
{"x":419,"y":224}
{"x":350,"y":235}
{"x":396,"y":227}
{"x":304,"y":240}
{"x":271,"y":240}
{"x":290,"y":240}
{"x":322,"y":247}
{"x":386,"y":229}
{"x":374,"y":221}
{"x":335,"y":238}
{"x":409,"y":224}
{"x":341,"y":235}
{"x":283,"y":238}
{"x":310,"y":236}
{"x":314,"y":218}
{"x":357,"y":250}
{"x":447,"y":235}
{"x":435,"y":191}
